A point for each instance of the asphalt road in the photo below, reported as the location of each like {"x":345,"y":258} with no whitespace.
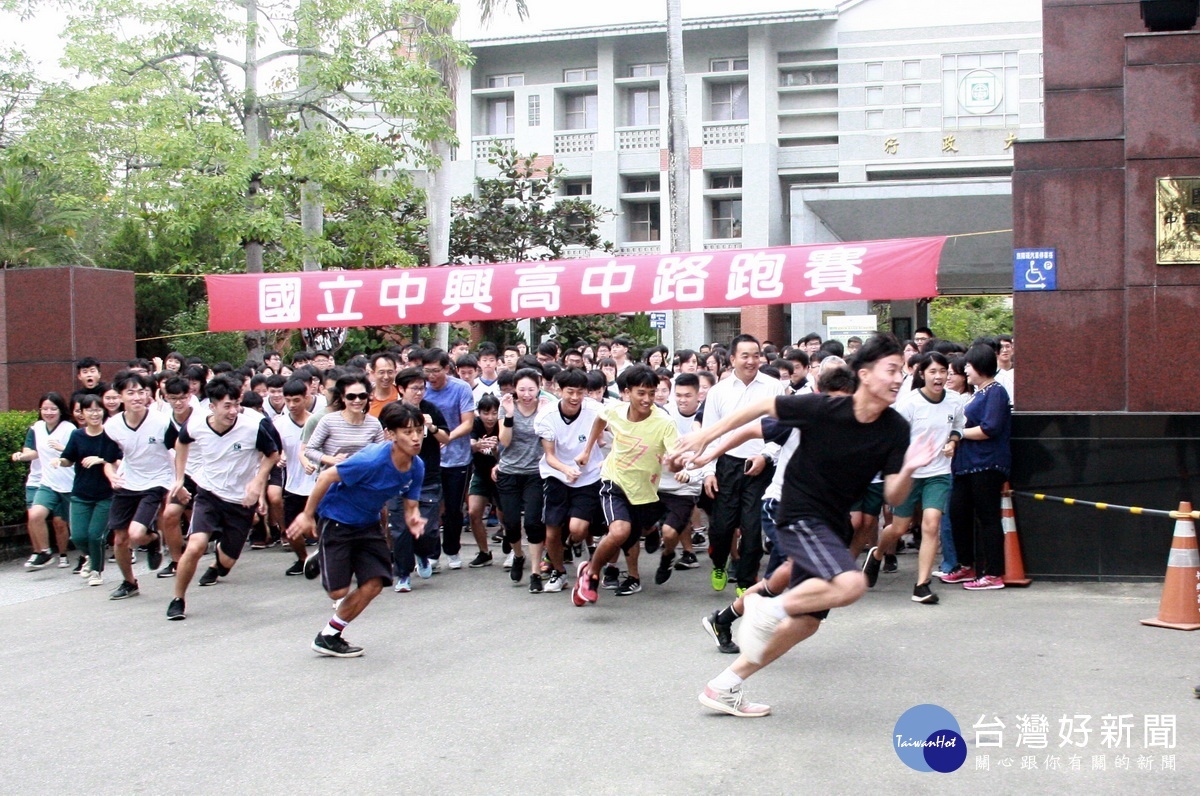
{"x":469,"y":685}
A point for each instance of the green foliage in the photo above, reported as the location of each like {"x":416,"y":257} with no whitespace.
{"x":212,"y":347}
{"x":39,"y":219}
{"x":13,"y":426}
{"x":963,"y":318}
{"x":594,"y":328}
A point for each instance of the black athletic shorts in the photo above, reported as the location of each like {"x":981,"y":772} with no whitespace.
{"x":277,"y":474}
{"x":189,"y":484}
{"x":139,"y":507}
{"x":679,"y":509}
{"x":228,"y":523}
{"x":293,"y":507}
{"x":617,"y":508}
{"x":352,"y":551}
{"x":815,"y":550}
{"x":561,"y":502}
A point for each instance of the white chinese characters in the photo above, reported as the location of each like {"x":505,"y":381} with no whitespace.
{"x":537,"y":288}
{"x":472,"y":287}
{"x":834,"y":269}
{"x":402,"y":292}
{"x":680,"y":279}
{"x":279,"y":300}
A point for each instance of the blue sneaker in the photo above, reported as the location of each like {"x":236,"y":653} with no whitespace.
{"x":424,"y":568}
{"x":403,"y":586}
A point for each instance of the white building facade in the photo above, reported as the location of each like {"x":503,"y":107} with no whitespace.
{"x":863,"y":120}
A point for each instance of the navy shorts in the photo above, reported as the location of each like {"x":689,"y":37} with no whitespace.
{"x":228,"y":523}
{"x":678,"y":509}
{"x":562,"y":502}
{"x":815,"y":550}
{"x":139,"y":507}
{"x":353,"y":551}
{"x":617,"y":508}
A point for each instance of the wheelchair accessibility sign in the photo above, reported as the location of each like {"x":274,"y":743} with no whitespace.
{"x":1035,"y":269}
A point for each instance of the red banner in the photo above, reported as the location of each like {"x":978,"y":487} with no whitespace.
{"x":865,"y":271}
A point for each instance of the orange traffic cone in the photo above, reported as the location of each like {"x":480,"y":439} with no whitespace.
{"x":1178,"y":609}
{"x":1014,"y":567}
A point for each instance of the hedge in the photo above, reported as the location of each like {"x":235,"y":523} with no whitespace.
{"x":13,"y":426}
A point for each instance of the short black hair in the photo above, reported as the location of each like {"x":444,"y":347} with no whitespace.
{"x":222,"y":387}
{"x":467,"y":361}
{"x":743,"y":338}
{"x":87,"y":362}
{"x":808,"y":338}
{"x":982,"y":358}
{"x":295,"y":387}
{"x":687,"y":380}
{"x":839,"y":379}
{"x":486,"y":348}
{"x":877,"y":347}
{"x":251,"y":400}
{"x":436,"y":356}
{"x":257,"y":379}
{"x":398,"y":414}
{"x":548,"y":348}
{"x":487,"y":402}
{"x":797,"y":355}
{"x":572,"y":377}
{"x":274,"y":382}
{"x":834,"y":347}
{"x":378,"y":355}
{"x":408,"y":376}
{"x":528,"y":373}
{"x":639,"y":376}
{"x":131,"y":378}
{"x":596,"y":381}
{"x":924,"y":329}
{"x":176,"y":385}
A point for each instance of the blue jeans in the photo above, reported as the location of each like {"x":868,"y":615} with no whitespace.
{"x":949,"y":556}
{"x":768,"y":529}
{"x":405,"y":548}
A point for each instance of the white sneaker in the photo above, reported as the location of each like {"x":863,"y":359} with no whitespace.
{"x":557,"y":582}
{"x":455,"y":562}
{"x":733,"y":701}
{"x":63,"y":561}
{"x":756,"y":628}
{"x":85,"y":571}
{"x":508,"y":561}
{"x":95,"y":578}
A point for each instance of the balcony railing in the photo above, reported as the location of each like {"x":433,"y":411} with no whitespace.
{"x":634,"y":138}
{"x":574,"y":143}
{"x":636,"y":249}
{"x":482,"y":145}
{"x":720,"y":245}
{"x":717,"y":133}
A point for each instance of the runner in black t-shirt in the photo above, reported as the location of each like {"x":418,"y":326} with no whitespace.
{"x":843,"y":443}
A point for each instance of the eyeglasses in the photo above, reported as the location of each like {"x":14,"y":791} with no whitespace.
{"x":356,"y":396}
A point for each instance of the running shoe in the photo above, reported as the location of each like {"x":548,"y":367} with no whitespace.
{"x":508,"y":559}
{"x":663,"y":573}
{"x":64,"y":561}
{"x":985,"y":583}
{"x":612,"y":578}
{"x":756,"y":629}
{"x":720,"y":579}
{"x":535,"y":583}
{"x":312,"y":566}
{"x":335,"y":646}
{"x":653,"y":541}
{"x":85,"y":571}
{"x":585,"y":586}
{"x":39,"y":560}
{"x":79,"y":567}
{"x":732,"y":701}
{"x":124,"y":591}
{"x":154,"y":554}
{"x":497,"y":538}
{"x":403,"y":585}
{"x":722,"y":634}
{"x":481,"y":559}
{"x":699,"y":537}
{"x":871,"y":567}
{"x":297,"y":568}
{"x":96,"y":578}
{"x":923,"y":594}
{"x":629,"y":586}
{"x":687,"y":560}
{"x":175,"y":610}
{"x":210,"y":576}
{"x":557,"y":582}
{"x":169,"y":570}
{"x":740,"y":591}
{"x":890,"y":564}
{"x":456,"y":561}
{"x":424,"y":568}
{"x":959,"y":575}
{"x":518,"y":569}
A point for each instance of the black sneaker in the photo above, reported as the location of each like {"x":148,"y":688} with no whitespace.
{"x":653,"y":541}
{"x":335,"y":646}
{"x":700,"y":538}
{"x":168,"y":571}
{"x":612,"y":578}
{"x":629,"y":586}
{"x":871,"y":568}
{"x":482,"y":559}
{"x":497,"y":538}
{"x":890,"y":564}
{"x":518,"y":569}
{"x":39,"y":560}
{"x":663,"y":573}
{"x":175,"y":610}
{"x":312,"y":566}
{"x":721,"y":634}
{"x":154,"y":553}
{"x":923,"y":594}
{"x":535,"y":583}
{"x":209,"y":577}
{"x":124,"y":591}
{"x":297,"y":568}
{"x":687,"y":560}
{"x":79,"y":565}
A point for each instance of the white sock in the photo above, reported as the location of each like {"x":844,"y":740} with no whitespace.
{"x":774,"y":607}
{"x":336,"y":625}
{"x":726,"y":680}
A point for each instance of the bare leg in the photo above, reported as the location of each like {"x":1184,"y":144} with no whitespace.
{"x":791,"y":631}
{"x":122,"y":554}
{"x":931,"y":523}
{"x":353,"y":602}
{"x":197,"y":543}
{"x":609,"y":547}
{"x":62,"y":535}
{"x":39,"y":533}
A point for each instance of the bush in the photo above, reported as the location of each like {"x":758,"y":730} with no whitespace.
{"x":13,"y":426}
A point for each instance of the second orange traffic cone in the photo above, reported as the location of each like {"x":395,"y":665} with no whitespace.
{"x":1178,"y":609}
{"x":1014,"y":566}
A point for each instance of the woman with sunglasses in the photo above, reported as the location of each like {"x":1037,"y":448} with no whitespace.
{"x":347,"y":427}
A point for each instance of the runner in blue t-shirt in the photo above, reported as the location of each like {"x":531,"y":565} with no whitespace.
{"x":349,"y":498}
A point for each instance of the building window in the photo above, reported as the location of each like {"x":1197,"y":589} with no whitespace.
{"x":812,"y":76}
{"x":912,"y":117}
{"x":500,"y":119}
{"x":980,"y":90}
{"x":647,"y":70}
{"x":726,"y":218}
{"x":644,"y":224}
{"x":912,"y":70}
{"x":580,"y":112}
{"x":582,"y":75}
{"x":875,"y":71}
{"x":644,"y":107}
{"x":641,"y":184}
{"x":535,"y":110}
{"x":729,"y":64}
{"x":729,"y":102}
{"x":874,"y":120}
{"x":505,"y":81}
{"x":725,"y":182}
{"x":577,"y":187}
{"x":874,"y":95}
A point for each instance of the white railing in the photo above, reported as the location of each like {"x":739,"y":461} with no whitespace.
{"x":576,"y":253}
{"x":482,"y":145}
{"x":636,"y":249}
{"x":716,"y":133}
{"x":720,"y":245}
{"x":574,"y":143}
{"x":637,"y":138}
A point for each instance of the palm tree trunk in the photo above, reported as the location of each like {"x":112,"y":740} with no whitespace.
{"x":678,"y":151}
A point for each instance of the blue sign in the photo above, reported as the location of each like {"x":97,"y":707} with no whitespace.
{"x":658,"y":320}
{"x":1035,"y":269}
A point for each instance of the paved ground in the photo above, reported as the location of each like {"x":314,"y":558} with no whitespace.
{"x":472,"y":686}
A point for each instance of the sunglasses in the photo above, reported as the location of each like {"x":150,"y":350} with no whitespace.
{"x":355,"y":396}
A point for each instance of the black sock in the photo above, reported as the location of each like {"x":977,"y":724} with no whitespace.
{"x":728,"y":616}
{"x":766,"y":591}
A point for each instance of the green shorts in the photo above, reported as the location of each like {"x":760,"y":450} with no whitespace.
{"x":871,"y":503}
{"x":58,"y":503}
{"x":931,"y":493}
{"x":30,"y":494}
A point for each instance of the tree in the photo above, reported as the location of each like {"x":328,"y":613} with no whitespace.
{"x":38,"y":217}
{"x":963,"y":318}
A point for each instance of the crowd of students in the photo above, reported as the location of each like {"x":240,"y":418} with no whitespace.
{"x":580,"y":459}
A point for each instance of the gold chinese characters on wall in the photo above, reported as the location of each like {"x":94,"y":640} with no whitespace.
{"x":1177,"y":223}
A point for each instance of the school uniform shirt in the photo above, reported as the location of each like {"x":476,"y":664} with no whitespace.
{"x":482,"y":388}
{"x":634,"y":463}
{"x":937,"y":419}
{"x":369,"y":479}
{"x":189,"y":467}
{"x":147,"y":450}
{"x":90,"y":482}
{"x":788,"y":440}
{"x":667,"y":482}
{"x":569,"y":436}
{"x":296,"y":480}
{"x":228,"y":460}
{"x":60,"y":479}
{"x":34,"y":479}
